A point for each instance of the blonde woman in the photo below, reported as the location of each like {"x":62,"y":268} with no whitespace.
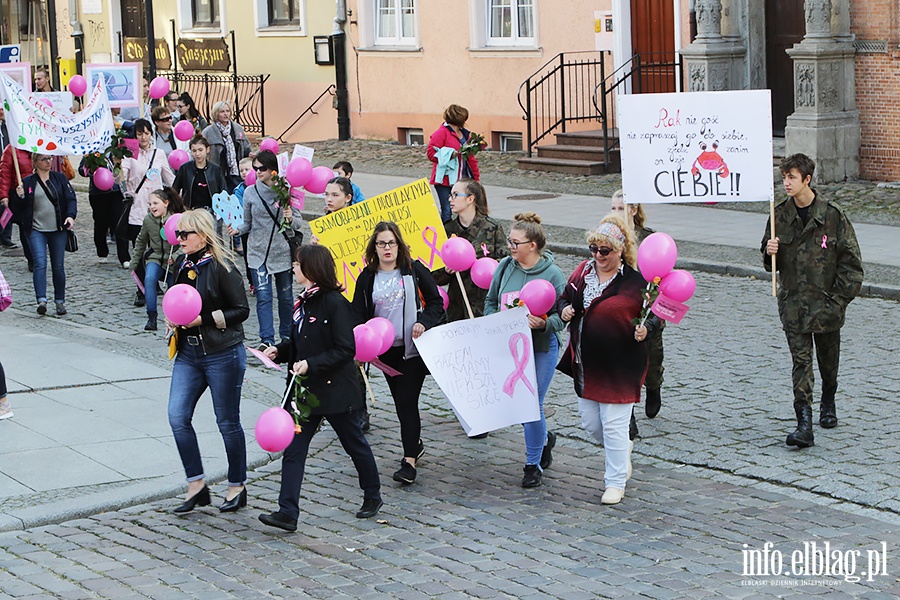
{"x":228,"y":143}
{"x":210,"y":355}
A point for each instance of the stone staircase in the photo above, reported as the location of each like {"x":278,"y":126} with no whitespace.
{"x":575,"y":153}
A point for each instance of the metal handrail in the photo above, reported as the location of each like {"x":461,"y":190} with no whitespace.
{"x":331,"y":89}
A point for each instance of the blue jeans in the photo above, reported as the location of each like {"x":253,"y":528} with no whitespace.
{"x":152,"y":274}
{"x":262,"y":281}
{"x":223,"y":374}
{"x":536,"y":431}
{"x":443,"y":194}
{"x":39,"y":241}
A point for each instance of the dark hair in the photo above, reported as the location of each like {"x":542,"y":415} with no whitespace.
{"x":185,"y":98}
{"x":456,"y":115}
{"x":176,"y":204}
{"x":143,"y":125}
{"x":344,"y":166}
{"x":801,"y":162}
{"x":530,"y":224}
{"x":345,"y":184}
{"x":159,"y":113}
{"x":268,"y":160}
{"x":317,"y":264}
{"x":404,"y":258}
{"x":475,"y":188}
{"x":199,"y":138}
{"x":171,"y":97}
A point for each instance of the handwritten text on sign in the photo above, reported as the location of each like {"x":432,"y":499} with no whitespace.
{"x":696,"y":147}
{"x":346,"y":232}
{"x":485,"y":366}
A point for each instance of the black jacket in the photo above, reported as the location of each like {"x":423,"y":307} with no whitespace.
{"x":325,"y":342}
{"x":225,"y":305}
{"x":184,"y":180}
{"x":62,"y":196}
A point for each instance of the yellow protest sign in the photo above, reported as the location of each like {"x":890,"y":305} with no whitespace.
{"x":346,"y":232}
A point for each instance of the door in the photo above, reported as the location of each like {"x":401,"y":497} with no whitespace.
{"x":653,"y":38}
{"x":784,"y":27}
{"x":134,"y":18}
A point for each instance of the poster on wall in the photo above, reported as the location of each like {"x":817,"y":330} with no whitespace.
{"x":123,"y":82}
{"x":696,"y":147}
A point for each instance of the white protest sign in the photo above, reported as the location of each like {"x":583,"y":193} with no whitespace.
{"x":303,"y":152}
{"x":62,"y":100}
{"x":485,"y":366}
{"x":696,"y":147}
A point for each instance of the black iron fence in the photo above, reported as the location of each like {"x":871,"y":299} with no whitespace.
{"x":246,"y":93}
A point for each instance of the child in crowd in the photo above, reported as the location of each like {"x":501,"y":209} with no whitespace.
{"x":345,"y":169}
{"x":240,"y":241}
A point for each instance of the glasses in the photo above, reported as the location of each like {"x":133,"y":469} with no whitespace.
{"x":259,"y":168}
{"x":514,"y":244}
{"x":183,"y":235}
{"x":45,"y":158}
{"x":384,"y":245}
{"x":604,"y":251}
{"x":456,"y":195}
{"x":169,"y":118}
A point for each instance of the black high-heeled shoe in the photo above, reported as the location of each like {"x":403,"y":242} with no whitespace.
{"x":201,"y":498}
{"x":239,"y":501}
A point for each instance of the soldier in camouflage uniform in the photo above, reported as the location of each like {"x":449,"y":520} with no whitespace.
{"x":821,"y":271}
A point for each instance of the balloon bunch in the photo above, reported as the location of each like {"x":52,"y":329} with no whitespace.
{"x":657,"y":256}
{"x":299,"y":173}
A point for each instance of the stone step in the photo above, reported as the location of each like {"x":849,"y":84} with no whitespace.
{"x":594,"y":153}
{"x":557,"y":165}
{"x":584,"y":138}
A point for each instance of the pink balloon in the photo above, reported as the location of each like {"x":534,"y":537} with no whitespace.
{"x":299,"y":171}
{"x":182,"y":304}
{"x":77,"y":85}
{"x":103,"y":179}
{"x":678,"y":285}
{"x":482,"y":272}
{"x":169,"y":228}
{"x":368,"y":343}
{"x":250,"y":179}
{"x":178,"y":158}
{"x":385,"y":330}
{"x":538,"y":295}
{"x":318,"y":179}
{"x":274,"y":429}
{"x":269,"y":144}
{"x":184,"y":130}
{"x":458,"y":254}
{"x":159,"y":87}
{"x":657,"y":255}
{"x":444,"y":296}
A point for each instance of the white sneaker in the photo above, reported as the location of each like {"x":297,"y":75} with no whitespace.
{"x":5,"y":411}
{"x":612,"y":496}
{"x":126,"y":265}
{"x":630,"y":450}
{"x":102,"y":260}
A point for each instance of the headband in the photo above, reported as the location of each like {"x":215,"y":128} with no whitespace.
{"x":612,"y":231}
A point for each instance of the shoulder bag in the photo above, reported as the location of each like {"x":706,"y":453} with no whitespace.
{"x":294,"y":241}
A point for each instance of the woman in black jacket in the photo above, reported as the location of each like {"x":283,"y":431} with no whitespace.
{"x":320,"y":354}
{"x":200,"y":179}
{"x":210,"y":354}
{"x":46,"y":207}
{"x":402,"y":290}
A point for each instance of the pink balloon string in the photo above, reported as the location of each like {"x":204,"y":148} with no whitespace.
{"x":824,"y":239}
{"x":519,"y":373}
{"x":432,"y":243}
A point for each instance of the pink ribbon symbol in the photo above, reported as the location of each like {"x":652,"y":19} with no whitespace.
{"x":432,"y":243}
{"x":824,"y":239}
{"x":484,"y":249}
{"x":519,"y":373}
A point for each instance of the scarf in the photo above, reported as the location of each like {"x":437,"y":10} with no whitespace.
{"x":301,"y":299}
{"x":230,"y":153}
{"x":194,"y":268}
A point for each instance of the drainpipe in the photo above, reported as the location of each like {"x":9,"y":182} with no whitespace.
{"x":151,"y":42}
{"x":342,"y":98}
{"x":78,"y":34}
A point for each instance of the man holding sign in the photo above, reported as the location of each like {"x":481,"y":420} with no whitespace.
{"x":816,"y":252}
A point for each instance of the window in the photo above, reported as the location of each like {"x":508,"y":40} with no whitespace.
{"x":411,"y":136}
{"x":510,"y":142}
{"x":284,"y":12}
{"x":205,"y":13}
{"x":510,"y":22}
{"x":395,"y":22}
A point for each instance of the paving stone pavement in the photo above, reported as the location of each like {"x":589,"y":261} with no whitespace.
{"x":711,"y":474}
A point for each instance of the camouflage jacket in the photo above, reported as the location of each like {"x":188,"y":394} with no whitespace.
{"x":820,"y":266}
{"x":489,"y":239}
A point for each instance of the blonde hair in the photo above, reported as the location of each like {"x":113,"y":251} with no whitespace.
{"x":530,"y":224}
{"x":200,"y":221}
{"x":627,"y":248}
{"x":217,"y":108}
{"x":639,"y":217}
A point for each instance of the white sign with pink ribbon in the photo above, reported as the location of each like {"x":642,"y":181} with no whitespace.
{"x":485,"y":366}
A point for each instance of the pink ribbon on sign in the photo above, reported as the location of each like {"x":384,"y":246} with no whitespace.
{"x":519,"y":373}
{"x":432,"y":243}
{"x":824,"y":239}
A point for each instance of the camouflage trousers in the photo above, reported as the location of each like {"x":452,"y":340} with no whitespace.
{"x":655,"y":368}
{"x":828,"y":354}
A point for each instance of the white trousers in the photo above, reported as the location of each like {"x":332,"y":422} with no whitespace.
{"x":608,"y":424}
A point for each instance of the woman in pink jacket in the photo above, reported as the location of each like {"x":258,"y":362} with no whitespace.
{"x":443,"y":152}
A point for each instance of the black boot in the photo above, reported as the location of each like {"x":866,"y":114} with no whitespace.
{"x":151,"y":322}
{"x":653,"y":403}
{"x":139,"y":299}
{"x":632,"y":427}
{"x":803,"y":436}
{"x":827,"y":412}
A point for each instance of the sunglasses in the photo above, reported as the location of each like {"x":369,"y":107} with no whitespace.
{"x":163,"y":119}
{"x":602,"y":251}
{"x":259,"y":169}
{"x":183,"y":235}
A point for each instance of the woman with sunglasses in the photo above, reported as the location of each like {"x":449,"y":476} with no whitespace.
{"x":607,"y":353}
{"x":189,"y":111}
{"x":528,"y":260}
{"x":210,"y":355}
{"x":402,"y":290}
{"x":268,"y":252}
{"x":46,"y":207}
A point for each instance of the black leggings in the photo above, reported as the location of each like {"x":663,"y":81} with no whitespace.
{"x":405,"y":389}
{"x":106,"y":209}
{"x":2,"y":382}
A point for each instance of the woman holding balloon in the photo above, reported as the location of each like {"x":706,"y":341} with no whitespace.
{"x":607,"y":353}
{"x":401,"y":290}
{"x":320,"y":351}
{"x":206,"y":317}
{"x":511,"y":286}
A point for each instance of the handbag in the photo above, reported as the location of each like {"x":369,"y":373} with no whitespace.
{"x":71,"y":241}
{"x":128,"y":202}
{"x":5,"y":293}
{"x":65,"y":167}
